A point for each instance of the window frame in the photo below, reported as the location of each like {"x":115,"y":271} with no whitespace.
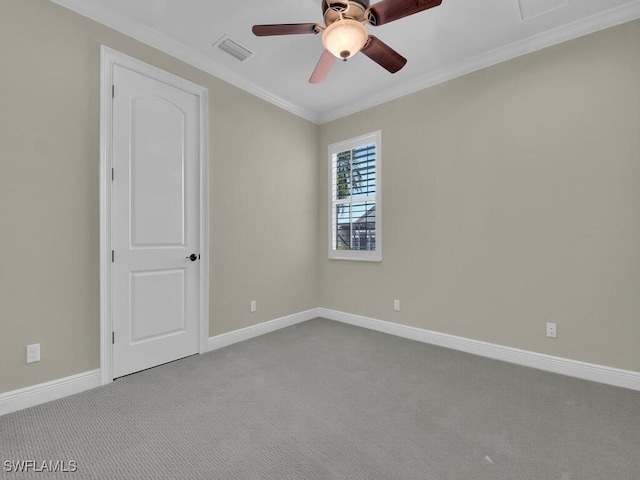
{"x":374,"y":138}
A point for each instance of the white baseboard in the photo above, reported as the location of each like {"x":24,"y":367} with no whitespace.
{"x":55,"y":389}
{"x":226,"y":339}
{"x":549,"y":363}
{"x":46,"y":392}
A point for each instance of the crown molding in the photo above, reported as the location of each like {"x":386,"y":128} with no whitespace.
{"x":159,"y":41}
{"x":594,"y":23}
{"x":138,"y":31}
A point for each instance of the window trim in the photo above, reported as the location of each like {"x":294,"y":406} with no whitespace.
{"x":334,"y":149}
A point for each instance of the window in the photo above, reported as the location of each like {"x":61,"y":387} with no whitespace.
{"x":354,"y":196}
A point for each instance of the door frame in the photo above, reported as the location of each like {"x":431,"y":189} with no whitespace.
{"x":108,"y":59}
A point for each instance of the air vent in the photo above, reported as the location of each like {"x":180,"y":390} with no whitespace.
{"x":233,"y":48}
{"x":535,"y":8}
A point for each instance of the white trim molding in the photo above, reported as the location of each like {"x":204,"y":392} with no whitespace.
{"x":46,"y":392}
{"x":585,"y":26}
{"x":235,"y":336}
{"x":16,"y":400}
{"x":137,"y":30}
{"x":56,"y":389}
{"x":141,"y":32}
{"x":563,"y":366}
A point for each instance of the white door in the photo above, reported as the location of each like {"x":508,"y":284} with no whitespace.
{"x":155,"y":222}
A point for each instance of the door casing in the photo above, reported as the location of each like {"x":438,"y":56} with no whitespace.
{"x":109,"y":58}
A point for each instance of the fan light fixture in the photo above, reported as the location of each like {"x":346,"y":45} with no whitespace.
{"x":344,"y":38}
{"x":345,"y":33}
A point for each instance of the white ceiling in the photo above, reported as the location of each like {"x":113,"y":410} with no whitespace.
{"x":456,"y":38}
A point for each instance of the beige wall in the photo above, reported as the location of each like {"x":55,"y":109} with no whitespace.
{"x":511,"y":197}
{"x":263,"y":244}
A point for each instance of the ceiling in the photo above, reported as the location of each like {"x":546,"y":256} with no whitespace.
{"x":458,"y":37}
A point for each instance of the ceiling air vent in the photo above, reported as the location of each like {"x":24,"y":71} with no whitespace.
{"x":233,"y":48}
{"x":534,"y":8}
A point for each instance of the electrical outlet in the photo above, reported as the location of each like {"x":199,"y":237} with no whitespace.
{"x":396,"y":305}
{"x":552,"y":331}
{"x":33,"y":353}
{"x":253,"y":306}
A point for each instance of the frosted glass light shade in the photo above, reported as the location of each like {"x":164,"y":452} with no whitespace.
{"x":344,"y":38}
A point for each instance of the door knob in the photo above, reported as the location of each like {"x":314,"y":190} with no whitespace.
{"x":193,"y":257}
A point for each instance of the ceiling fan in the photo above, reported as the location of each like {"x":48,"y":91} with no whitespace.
{"x":345,"y":33}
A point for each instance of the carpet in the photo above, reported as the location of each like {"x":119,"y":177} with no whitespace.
{"x":325,"y":400}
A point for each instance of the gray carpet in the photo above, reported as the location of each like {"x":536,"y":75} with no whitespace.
{"x":324,"y":400}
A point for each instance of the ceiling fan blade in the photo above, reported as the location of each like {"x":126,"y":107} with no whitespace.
{"x":390,"y":10}
{"x":383,"y":54}
{"x":323,"y":67}
{"x":285,"y":29}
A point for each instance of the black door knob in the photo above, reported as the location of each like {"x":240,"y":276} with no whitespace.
{"x":193,"y":257}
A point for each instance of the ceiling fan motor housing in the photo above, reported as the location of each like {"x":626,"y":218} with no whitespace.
{"x":353,"y":9}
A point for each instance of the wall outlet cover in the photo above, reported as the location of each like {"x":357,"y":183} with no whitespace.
{"x":33,"y":353}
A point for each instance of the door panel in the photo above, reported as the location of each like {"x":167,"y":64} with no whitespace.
{"x":157,"y":173}
{"x":155,"y":222}
{"x":159,"y":295}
